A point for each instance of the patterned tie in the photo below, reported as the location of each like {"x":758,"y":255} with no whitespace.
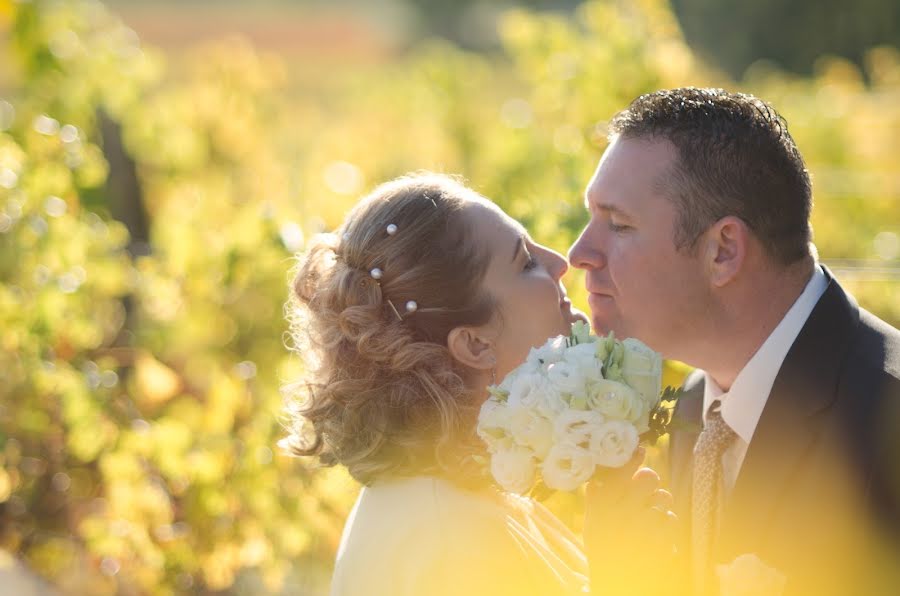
{"x":715,"y":439}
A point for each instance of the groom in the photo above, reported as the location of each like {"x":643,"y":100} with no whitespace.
{"x":699,"y":244}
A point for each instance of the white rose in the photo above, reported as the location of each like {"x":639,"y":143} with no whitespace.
{"x":748,"y":575}
{"x":615,"y":400}
{"x":642,"y":370}
{"x":576,"y":426}
{"x":567,"y":467}
{"x":613,"y":443}
{"x":493,"y":425}
{"x":530,"y":429}
{"x":514,"y":469}
{"x":642,"y":424}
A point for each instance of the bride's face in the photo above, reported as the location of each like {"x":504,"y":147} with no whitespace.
{"x":523,"y":277}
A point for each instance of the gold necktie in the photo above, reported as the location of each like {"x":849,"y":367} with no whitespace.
{"x":707,"y":483}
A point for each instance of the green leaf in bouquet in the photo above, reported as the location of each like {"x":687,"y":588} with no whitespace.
{"x":580,"y":334}
{"x":613,"y":372}
{"x":661,"y":416}
{"x":499,"y":394}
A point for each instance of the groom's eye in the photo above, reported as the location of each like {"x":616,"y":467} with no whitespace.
{"x":617,"y":227}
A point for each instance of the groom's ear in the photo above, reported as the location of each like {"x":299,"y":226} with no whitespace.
{"x":472,"y":347}
{"x":726,"y":249}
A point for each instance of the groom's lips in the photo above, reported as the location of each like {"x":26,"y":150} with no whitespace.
{"x":598,"y":300}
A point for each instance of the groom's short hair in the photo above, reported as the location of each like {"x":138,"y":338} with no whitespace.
{"x":735,"y":157}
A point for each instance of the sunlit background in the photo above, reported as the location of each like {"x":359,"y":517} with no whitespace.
{"x":161,"y":162}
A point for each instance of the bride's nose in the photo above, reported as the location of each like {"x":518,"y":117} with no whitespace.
{"x":557,"y":265}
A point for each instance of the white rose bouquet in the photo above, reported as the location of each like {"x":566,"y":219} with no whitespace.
{"x":577,"y":402}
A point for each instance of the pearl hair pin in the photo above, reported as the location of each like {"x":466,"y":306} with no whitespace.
{"x":411,"y":306}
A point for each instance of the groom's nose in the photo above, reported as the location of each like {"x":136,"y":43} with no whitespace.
{"x":586,"y":253}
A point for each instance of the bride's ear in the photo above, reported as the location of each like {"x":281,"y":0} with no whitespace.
{"x":472,"y":347}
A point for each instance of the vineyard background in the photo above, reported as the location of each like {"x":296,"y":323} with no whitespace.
{"x":160,"y":165}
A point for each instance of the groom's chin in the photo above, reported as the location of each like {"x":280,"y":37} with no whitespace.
{"x":601,"y":326}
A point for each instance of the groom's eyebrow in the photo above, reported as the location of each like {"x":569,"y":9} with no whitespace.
{"x":607,"y":207}
{"x":612,"y":209}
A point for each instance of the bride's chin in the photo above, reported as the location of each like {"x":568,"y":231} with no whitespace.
{"x":577,"y":315}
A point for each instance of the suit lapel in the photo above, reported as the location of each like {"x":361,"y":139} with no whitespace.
{"x":805,"y":386}
{"x":688,"y":422}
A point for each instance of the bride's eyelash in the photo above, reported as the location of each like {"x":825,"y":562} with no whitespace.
{"x":531,"y":263}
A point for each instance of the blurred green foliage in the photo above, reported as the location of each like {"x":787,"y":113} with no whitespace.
{"x":793,"y":34}
{"x":139,"y":387}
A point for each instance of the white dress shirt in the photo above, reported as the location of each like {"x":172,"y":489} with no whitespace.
{"x":743,"y":404}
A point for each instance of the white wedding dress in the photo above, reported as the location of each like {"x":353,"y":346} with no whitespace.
{"x":425,"y":536}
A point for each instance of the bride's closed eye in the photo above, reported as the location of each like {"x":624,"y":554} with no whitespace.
{"x":530,"y":261}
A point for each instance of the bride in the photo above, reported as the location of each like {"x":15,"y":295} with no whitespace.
{"x":427,"y":294}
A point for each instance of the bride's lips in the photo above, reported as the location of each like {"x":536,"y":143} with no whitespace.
{"x":571,"y":314}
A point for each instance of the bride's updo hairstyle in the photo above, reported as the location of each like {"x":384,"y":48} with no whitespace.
{"x":370,"y":311}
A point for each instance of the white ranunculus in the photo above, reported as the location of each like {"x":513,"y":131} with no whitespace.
{"x":576,"y":426}
{"x":567,"y":467}
{"x":493,"y":425}
{"x":566,"y":377}
{"x":530,"y":429}
{"x":511,"y":377}
{"x":552,"y":404}
{"x":584,"y":358}
{"x":514,"y":469}
{"x":613,"y":443}
{"x":642,"y":370}
{"x":748,"y":575}
{"x":616,"y":400}
{"x":535,"y":392}
{"x":551,"y":352}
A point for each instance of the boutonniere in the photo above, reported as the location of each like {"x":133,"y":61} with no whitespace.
{"x":748,"y":575}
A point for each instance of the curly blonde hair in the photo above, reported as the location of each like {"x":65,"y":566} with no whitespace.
{"x":383,"y":395}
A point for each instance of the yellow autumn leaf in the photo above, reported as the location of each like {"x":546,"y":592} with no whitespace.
{"x":5,"y":486}
{"x":155,"y":383}
{"x":6,"y":14}
{"x":224,"y":398}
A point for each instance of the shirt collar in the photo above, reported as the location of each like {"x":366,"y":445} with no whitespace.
{"x":742,"y":405}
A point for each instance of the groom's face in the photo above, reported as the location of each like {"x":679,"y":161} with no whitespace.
{"x":639,"y":284}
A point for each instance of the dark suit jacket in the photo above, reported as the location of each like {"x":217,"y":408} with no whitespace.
{"x":818,"y":495}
